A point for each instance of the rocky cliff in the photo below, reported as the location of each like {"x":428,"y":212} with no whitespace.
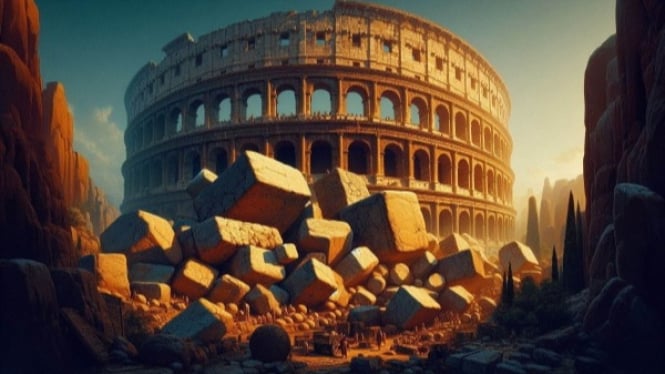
{"x":553,"y":209}
{"x":623,"y":169}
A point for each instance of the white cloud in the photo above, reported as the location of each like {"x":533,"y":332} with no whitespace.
{"x":570,"y":155}
{"x":100,"y":140}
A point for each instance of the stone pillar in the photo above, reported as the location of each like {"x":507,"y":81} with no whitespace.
{"x":373,"y":107}
{"x":303,"y":162}
{"x":453,"y":171}
{"x":341,"y":152}
{"x":237,"y":106}
{"x":270,"y":99}
{"x":302,"y":99}
{"x":378,"y":159}
{"x":340,"y":99}
{"x":409,"y":158}
{"x":433,"y":174}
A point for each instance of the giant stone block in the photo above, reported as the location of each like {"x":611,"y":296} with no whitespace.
{"x":254,"y":265}
{"x":256,"y":189}
{"x":465,"y":267}
{"x":193,"y":279}
{"x":218,"y":238}
{"x":455,"y":298}
{"x":339,"y":189}
{"x":201,"y":320}
{"x":310,"y":284}
{"x":142,"y":237}
{"x":142,"y":272}
{"x":200,"y":182}
{"x":519,"y":256}
{"x":356,"y":266}
{"x":110,"y":270}
{"x":450,"y":245}
{"x":323,"y":235}
{"x":262,"y":300}
{"x":228,"y":289}
{"x":411,"y":306}
{"x":389,"y":222}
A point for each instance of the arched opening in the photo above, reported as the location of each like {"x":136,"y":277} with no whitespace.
{"x":419,"y":113}
{"x":461,"y":131}
{"x":160,"y":125}
{"x":487,"y":139}
{"x":321,"y":103}
{"x":463,"y":174}
{"x":356,"y":103}
{"x":147,"y":133}
{"x":490,"y":183}
{"x":253,"y":105}
{"x":175,"y":121}
{"x":475,"y":132}
{"x":445,"y":170}
{"x":286,"y":102}
{"x":479,"y":226}
{"x":421,"y":165}
{"x":392,"y":162}
{"x":218,"y":160}
{"x":224,"y":109}
{"x":497,"y":141}
{"x":173,"y":170}
{"x":464,"y":223}
{"x":156,"y":174}
{"x":478,"y":178}
{"x":499,"y":186}
{"x":193,"y":164}
{"x":428,"y":219}
{"x":499,"y":228}
{"x":358,"y":158}
{"x":491,"y":234}
{"x":442,"y":120}
{"x":197,"y":112}
{"x":249,"y":147}
{"x":321,"y":157}
{"x":285,"y":152}
{"x":389,"y":104}
{"x":445,"y":223}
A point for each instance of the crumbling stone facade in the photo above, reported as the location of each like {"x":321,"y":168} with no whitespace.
{"x":374,"y":90}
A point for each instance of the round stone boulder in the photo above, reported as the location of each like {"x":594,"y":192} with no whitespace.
{"x":269,"y":343}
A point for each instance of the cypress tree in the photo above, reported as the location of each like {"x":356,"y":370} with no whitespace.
{"x":555,"y":265}
{"x":584,"y":259}
{"x":533,"y":229}
{"x":510,"y":287}
{"x":504,"y":294}
{"x":573,"y":274}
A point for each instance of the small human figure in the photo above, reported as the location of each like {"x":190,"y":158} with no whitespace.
{"x":344,"y":347}
{"x":379,"y":338}
{"x":306,"y":347}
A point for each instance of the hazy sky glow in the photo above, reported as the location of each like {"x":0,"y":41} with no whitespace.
{"x":539,"y":47}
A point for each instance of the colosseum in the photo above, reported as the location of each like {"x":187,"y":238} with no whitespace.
{"x":371,"y":89}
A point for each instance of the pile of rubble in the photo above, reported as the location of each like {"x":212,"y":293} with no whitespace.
{"x":266,"y":239}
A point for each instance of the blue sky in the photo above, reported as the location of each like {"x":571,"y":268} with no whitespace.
{"x":539,"y":47}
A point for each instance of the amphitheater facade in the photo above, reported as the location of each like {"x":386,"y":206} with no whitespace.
{"x":367,"y":88}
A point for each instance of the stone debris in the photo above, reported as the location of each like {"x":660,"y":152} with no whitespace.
{"x":281,"y":295}
{"x":481,"y":362}
{"x":435,"y":282}
{"x":311,"y":284}
{"x":201,"y":181}
{"x":341,"y":296}
{"x":228,"y":289}
{"x":202,"y":320}
{"x":153,"y":291}
{"x":185,"y":237}
{"x":455,"y":298}
{"x":286,"y":253}
{"x":142,"y":237}
{"x":357,"y":265}
{"x":389,"y":222}
{"x":142,"y":272}
{"x":218,"y":238}
{"x":411,"y":306}
{"x":423,"y":265}
{"x":254,"y":265}
{"x":193,"y":279}
{"x":400,"y":274}
{"x":110,"y":270}
{"x":256,"y":189}
{"x":339,"y":189}
{"x":376,"y":283}
{"x":519,"y":256}
{"x":370,"y":315}
{"x":363,"y":297}
{"x":331,"y":237}
{"x":262,"y":300}
{"x":465,"y":267}
{"x":450,"y":245}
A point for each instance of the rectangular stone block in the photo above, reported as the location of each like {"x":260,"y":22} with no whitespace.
{"x":331,"y":237}
{"x":465,"y":268}
{"x":450,"y":245}
{"x":286,"y":253}
{"x":254,"y":265}
{"x":321,"y":257}
{"x":455,"y":298}
{"x":153,"y":291}
{"x":142,"y":272}
{"x":228,"y":289}
{"x":423,"y":265}
{"x":262,"y":300}
{"x":193,"y":279}
{"x":389,"y":222}
{"x":356,"y":266}
{"x":110,"y":270}
{"x":218,"y":238}
{"x":201,"y":320}
{"x":201,"y":181}
{"x":311,"y":284}
{"x":256,"y":189}
{"x":520,"y":256}
{"x":337,"y":190}
{"x":411,"y":306}
{"x":281,"y":295}
{"x":341,"y":296}
{"x":363,"y":297}
{"x":370,"y":315}
{"x":142,"y":237}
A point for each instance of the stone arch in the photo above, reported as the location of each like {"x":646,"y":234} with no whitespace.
{"x":172,"y":169}
{"x":499,"y":228}
{"x":393,"y":161}
{"x":175,"y":121}
{"x":218,"y":160}
{"x":148,"y":133}
{"x":250,"y":146}
{"x":464,"y":223}
{"x":427,"y":216}
{"x":197,"y":114}
{"x":358,"y":158}
{"x":461,"y":127}
{"x":192,"y":164}
{"x":491,"y":233}
{"x":356,"y":101}
{"x":285,"y":152}
{"x":442,"y":120}
{"x":418,"y":113}
{"x":286,"y":101}
{"x":321,"y":102}
{"x":223,"y":108}
{"x":478,"y":177}
{"x":252,"y":102}
{"x":463,"y":174}
{"x":156,"y":173}
{"x":390,"y":107}
{"x":476,"y":133}
{"x":160,"y":127}
{"x":320,"y":157}
{"x":421,"y":165}
{"x":445,"y":223}
{"x":490,"y":182}
{"x":479,"y":226}
{"x":487,"y":139}
{"x":445,"y":172}
{"x":499,"y":186}
{"x":497,"y":145}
